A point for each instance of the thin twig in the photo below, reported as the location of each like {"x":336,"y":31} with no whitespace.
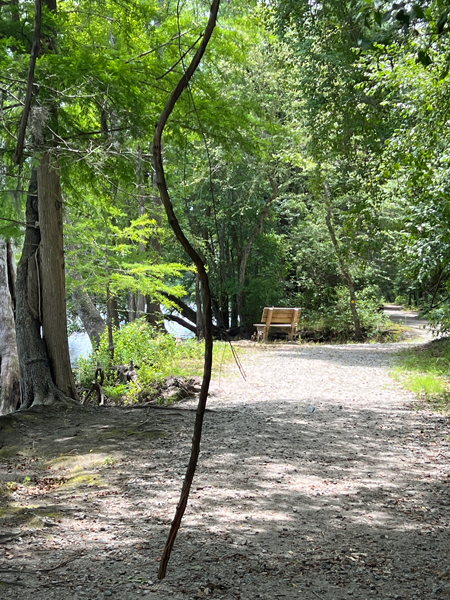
{"x":238,"y":362}
{"x":174,"y":223}
{"x":172,"y":68}
{"x":33,"y":225}
{"x":315,"y":594}
{"x":34,"y":572}
{"x":156,"y":49}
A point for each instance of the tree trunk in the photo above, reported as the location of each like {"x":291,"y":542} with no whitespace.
{"x":89,"y":314}
{"x":131,"y":306}
{"x":52,"y":275}
{"x":9,"y":359}
{"x":234,"y":312}
{"x":141,"y":177}
{"x":153,"y":312}
{"x":115,"y":313}
{"x":247,"y":250}
{"x":345,"y":272}
{"x":182,"y":322}
{"x":109,"y":323}
{"x":203,"y":275}
{"x":183,"y":308}
{"x":37,"y":385}
{"x":199,"y":302}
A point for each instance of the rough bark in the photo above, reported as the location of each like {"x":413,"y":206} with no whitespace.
{"x":345,"y":272}
{"x":37,"y":385}
{"x":195,"y":257}
{"x":88,"y":313}
{"x":30,"y":81}
{"x":52,"y":274}
{"x":9,"y":359}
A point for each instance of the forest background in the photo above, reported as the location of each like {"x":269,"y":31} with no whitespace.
{"x":307,"y":162}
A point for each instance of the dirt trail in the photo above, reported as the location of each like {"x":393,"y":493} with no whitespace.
{"x":317,"y":479}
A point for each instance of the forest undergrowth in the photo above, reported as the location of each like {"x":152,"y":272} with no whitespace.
{"x":424,"y":370}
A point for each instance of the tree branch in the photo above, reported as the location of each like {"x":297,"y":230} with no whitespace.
{"x":184,"y":309}
{"x":172,"y":68}
{"x":181,"y":321}
{"x":162,"y":186}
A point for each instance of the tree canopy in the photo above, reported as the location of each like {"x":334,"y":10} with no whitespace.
{"x":306,"y":158}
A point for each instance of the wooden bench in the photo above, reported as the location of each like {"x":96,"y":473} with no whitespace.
{"x":273,"y":316}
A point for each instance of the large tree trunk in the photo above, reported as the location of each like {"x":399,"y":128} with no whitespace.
{"x":45,"y":370}
{"x":36,"y":380}
{"x":9,"y":359}
{"x":52,"y":274}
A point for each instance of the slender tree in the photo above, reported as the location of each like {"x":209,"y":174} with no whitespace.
{"x":195,"y":257}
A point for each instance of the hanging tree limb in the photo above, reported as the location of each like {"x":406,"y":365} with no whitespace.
{"x":162,"y":186}
{"x":30,"y":81}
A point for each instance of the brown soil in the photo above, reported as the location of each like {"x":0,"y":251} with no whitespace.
{"x":317,"y":479}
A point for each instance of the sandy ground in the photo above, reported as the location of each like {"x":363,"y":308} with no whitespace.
{"x":317,"y":479}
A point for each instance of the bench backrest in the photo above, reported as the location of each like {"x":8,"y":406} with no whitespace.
{"x":281,"y":315}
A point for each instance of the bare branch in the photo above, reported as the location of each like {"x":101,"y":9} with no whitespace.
{"x":172,"y":68}
{"x":165,"y":197}
{"x":175,"y":37}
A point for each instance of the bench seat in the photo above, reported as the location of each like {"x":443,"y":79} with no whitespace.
{"x":274,"y":316}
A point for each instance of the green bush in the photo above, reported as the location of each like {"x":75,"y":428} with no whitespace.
{"x":155,"y":354}
{"x":439,"y":320}
{"x":334,"y":321}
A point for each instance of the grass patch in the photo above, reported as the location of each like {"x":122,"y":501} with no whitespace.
{"x":426,"y":384}
{"x":425,"y":371}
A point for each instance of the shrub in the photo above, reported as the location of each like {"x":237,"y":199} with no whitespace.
{"x":439,"y":320}
{"x":155,"y":354}
{"x":335,"y":322}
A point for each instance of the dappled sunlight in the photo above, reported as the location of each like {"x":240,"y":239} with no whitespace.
{"x":306,"y":484}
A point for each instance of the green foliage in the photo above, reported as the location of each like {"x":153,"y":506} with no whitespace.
{"x":354,"y":95}
{"x":439,"y":319}
{"x":433,"y":358}
{"x":334,"y":321}
{"x":154,"y":353}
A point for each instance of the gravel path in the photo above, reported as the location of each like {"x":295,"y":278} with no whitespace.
{"x":317,"y":479}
